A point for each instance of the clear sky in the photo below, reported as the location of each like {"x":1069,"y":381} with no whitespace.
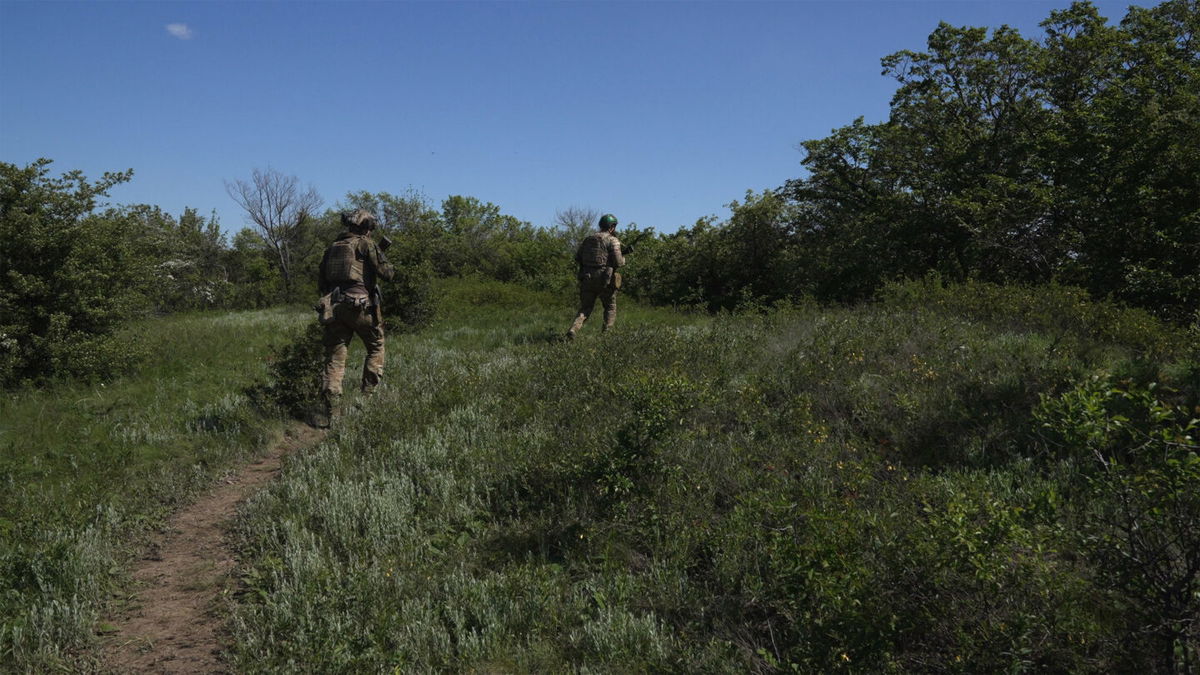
{"x":659,"y":112}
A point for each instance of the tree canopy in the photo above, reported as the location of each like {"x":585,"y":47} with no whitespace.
{"x":1072,"y":158}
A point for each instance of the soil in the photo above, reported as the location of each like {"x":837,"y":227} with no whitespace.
{"x":174,"y":622}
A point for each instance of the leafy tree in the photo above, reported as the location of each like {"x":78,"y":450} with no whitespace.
{"x":1009,"y":159}
{"x":187,"y":266}
{"x":256,"y":281}
{"x":483,"y":240}
{"x":70,"y":276}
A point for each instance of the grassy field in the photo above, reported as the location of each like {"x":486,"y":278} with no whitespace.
{"x":908,"y":485}
{"x":86,"y":469}
{"x":939,"y":481}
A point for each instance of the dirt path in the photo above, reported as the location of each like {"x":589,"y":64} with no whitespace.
{"x":174,"y":624}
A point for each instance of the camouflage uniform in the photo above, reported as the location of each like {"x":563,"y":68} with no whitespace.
{"x":598,"y":257}
{"x":358,"y":311}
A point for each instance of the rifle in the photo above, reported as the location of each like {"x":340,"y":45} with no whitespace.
{"x":615,"y":281}
{"x":628,"y":248}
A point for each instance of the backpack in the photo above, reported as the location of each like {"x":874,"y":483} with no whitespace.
{"x":343,"y":264}
{"x":593,"y":252}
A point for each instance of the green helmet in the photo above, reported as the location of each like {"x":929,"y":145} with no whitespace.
{"x":608,"y":221}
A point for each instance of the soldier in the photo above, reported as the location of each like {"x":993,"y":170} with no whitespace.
{"x":349,"y":272}
{"x":598,"y":257}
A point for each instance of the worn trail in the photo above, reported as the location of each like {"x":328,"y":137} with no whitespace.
{"x":174,"y":623}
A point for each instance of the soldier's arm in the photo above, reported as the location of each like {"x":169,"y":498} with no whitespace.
{"x":615,"y":258}
{"x":379,"y":262}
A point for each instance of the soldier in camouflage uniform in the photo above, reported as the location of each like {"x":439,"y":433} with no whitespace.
{"x":350,"y":270}
{"x":598,"y":257}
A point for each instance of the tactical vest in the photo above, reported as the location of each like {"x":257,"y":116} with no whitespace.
{"x":593,"y":252}
{"x":343,"y":265}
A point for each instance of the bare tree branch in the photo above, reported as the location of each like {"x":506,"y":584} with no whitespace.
{"x":575,"y":223}
{"x":280,"y":209}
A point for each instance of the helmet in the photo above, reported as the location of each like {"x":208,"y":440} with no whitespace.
{"x":359,"y":219}
{"x":608,"y":221}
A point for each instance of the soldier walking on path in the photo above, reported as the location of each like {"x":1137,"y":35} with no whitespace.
{"x":351,"y":305}
{"x":599,"y":255}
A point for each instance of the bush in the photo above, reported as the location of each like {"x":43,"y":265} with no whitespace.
{"x":70,"y":277}
{"x":1066,"y":314}
{"x":411,"y":302}
{"x":1139,"y":514}
{"x":294,"y":384}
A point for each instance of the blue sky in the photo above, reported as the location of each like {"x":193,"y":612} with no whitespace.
{"x":659,"y":112}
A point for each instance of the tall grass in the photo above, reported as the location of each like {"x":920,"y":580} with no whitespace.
{"x":882,"y":488}
{"x":86,"y":468}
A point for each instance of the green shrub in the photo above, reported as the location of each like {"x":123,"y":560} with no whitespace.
{"x":294,"y":382}
{"x":70,"y":277}
{"x":1139,"y":519}
{"x":412,"y":301}
{"x":1067,"y":315}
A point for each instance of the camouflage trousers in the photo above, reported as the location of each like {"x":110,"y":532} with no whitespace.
{"x":592,"y":286}
{"x":349,"y":321}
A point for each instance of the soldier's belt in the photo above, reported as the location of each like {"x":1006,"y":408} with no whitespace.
{"x":357,"y":303}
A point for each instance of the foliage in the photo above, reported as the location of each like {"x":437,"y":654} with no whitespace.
{"x":257,"y":284}
{"x":1141,"y":526}
{"x":720,"y":266}
{"x":190,"y":262}
{"x":294,"y":381}
{"x":412,"y":301}
{"x":1004,"y":159}
{"x":70,"y":276}
{"x":1008,"y":159}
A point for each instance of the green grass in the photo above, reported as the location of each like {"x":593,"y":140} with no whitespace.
{"x":909,"y":485}
{"x":86,"y":468}
{"x":866,"y":489}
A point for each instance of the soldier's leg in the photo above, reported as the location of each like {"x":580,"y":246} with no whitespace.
{"x":609,"y":299}
{"x":587,"y":301}
{"x":336,"y":341}
{"x":372,"y":337}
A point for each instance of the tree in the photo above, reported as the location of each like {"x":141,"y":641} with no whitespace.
{"x":280,"y":210}
{"x":68,"y":276}
{"x":250,"y":271}
{"x":408,"y":219}
{"x":1015,"y":160}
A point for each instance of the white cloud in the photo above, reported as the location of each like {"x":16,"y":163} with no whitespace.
{"x":180,"y":30}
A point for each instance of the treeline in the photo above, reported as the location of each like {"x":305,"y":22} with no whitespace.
{"x":73,"y":272}
{"x":1072,"y":159}
{"x":1069,"y":159}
